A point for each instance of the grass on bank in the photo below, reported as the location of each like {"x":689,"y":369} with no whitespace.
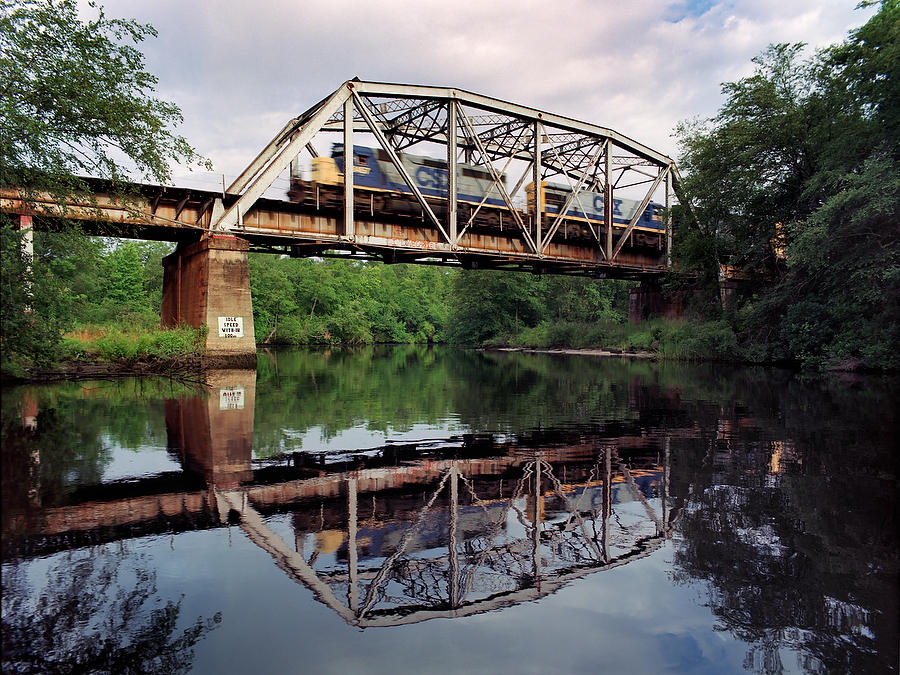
{"x":674,"y":339}
{"x":119,"y":343}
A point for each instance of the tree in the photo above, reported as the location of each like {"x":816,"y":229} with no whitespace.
{"x":76,"y":98}
{"x":75,"y":101}
{"x":124,"y":285}
{"x":803,"y":159}
{"x":487,"y":303}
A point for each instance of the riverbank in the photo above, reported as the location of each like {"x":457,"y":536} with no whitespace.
{"x":573,"y":351}
{"x":181,"y":367}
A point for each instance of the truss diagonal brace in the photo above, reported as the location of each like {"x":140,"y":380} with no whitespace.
{"x":498,"y":180}
{"x":280,"y":160}
{"x":574,"y":196}
{"x":640,"y":210}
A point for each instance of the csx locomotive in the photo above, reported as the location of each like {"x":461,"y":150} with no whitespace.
{"x":381,"y":189}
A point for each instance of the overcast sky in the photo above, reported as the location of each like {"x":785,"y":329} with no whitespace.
{"x":239,"y":69}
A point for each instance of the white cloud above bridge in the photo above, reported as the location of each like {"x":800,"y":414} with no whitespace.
{"x":240,"y":69}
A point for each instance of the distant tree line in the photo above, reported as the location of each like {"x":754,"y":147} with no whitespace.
{"x":309,"y":301}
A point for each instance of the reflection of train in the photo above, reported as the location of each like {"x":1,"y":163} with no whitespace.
{"x":380,"y":530}
{"x":380,"y":188}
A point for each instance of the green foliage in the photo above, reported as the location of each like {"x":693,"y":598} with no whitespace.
{"x":804,"y":157}
{"x":77,"y":101}
{"x":124,"y":281}
{"x":76,"y":98}
{"x":74,"y":282}
{"x":692,"y":341}
{"x":680,"y":340}
{"x":311,"y":301}
{"x":31,"y":322}
{"x":521,"y":308}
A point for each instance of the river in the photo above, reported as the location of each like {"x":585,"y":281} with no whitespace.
{"x":424,"y":509}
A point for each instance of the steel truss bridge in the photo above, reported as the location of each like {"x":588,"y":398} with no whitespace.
{"x":457,"y":127}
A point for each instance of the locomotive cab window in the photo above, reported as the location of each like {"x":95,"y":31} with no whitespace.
{"x":362,"y":160}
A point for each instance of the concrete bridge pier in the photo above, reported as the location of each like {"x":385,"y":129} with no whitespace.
{"x":648,"y":300}
{"x":207,"y":283}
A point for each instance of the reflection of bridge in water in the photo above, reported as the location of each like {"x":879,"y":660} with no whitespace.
{"x":390,"y":539}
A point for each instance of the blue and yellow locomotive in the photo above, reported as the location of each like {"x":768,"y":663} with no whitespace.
{"x":380,"y":188}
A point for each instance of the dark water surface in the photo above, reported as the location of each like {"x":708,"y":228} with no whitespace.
{"x":428,"y":510}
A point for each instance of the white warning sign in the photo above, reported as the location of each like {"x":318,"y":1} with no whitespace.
{"x":231,"y":326}
{"x":231,"y":398}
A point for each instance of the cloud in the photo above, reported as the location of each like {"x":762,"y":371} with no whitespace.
{"x":239,"y":70}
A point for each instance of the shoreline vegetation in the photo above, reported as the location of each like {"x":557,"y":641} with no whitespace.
{"x":113,"y":352}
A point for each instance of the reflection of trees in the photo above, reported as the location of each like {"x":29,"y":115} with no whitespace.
{"x":396,"y":387}
{"x":75,"y":427}
{"x":96,"y":614}
{"x":794,"y":559}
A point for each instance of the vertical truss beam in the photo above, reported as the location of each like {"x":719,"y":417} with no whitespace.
{"x":349,"y":169}
{"x":536,"y":180}
{"x":452,"y":540}
{"x":668,"y":221}
{"x":608,"y":201}
{"x":452,"y":176}
{"x":352,"y":553}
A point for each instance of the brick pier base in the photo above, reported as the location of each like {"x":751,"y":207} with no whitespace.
{"x":207,"y":283}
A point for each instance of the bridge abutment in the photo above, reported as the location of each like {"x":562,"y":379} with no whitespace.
{"x":207,"y":283}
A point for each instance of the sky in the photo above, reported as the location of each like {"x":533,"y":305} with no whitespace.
{"x":240,"y":69}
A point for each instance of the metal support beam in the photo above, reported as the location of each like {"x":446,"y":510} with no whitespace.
{"x":452,"y":543}
{"x":536,"y":532}
{"x":536,"y":179}
{"x":668,"y":219}
{"x":352,"y":553}
{"x":349,"y":169}
{"x":452,"y":190}
{"x":266,"y":154}
{"x":607,"y":501}
{"x":608,"y":202}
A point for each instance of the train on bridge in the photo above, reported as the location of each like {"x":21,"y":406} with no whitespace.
{"x":380,"y":188}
